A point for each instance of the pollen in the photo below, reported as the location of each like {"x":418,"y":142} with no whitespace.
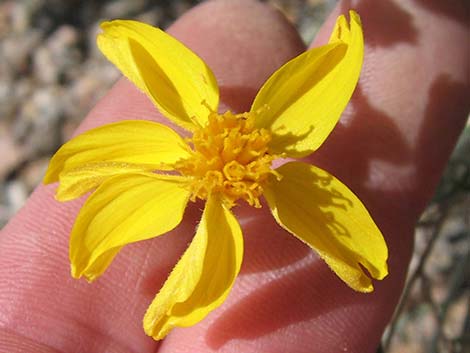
{"x":230,"y":156}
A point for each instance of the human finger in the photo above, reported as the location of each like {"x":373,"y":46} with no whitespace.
{"x":39,"y":301}
{"x":390,"y":147}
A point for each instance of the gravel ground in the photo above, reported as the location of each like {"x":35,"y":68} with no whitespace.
{"x":51,"y":74}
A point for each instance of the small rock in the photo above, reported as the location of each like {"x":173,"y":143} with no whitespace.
{"x":92,"y":33}
{"x":5,"y":22}
{"x":44,"y":69}
{"x":82,"y":95}
{"x":153,"y":16}
{"x":86,"y":90}
{"x":12,"y":154}
{"x":23,"y":88}
{"x":7,"y":102}
{"x":39,"y":121}
{"x":17,"y":50}
{"x":22,"y":14}
{"x":16,"y":195}
{"x":123,"y":8}
{"x":57,"y":56}
{"x":455,"y":318}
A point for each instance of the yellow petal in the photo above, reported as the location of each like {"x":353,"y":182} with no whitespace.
{"x":123,"y":147}
{"x":172,"y":76}
{"x":203,"y":277}
{"x":123,"y":210}
{"x":304,"y":99}
{"x":322,"y":212}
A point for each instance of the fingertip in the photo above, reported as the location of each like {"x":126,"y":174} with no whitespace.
{"x":243,"y":42}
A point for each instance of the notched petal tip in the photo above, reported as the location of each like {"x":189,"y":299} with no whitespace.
{"x":76,"y":274}
{"x":308,"y":94}
{"x":382,"y":272}
{"x":343,"y":28}
{"x":364,"y":288}
{"x":354,"y":16}
{"x":203,"y":277}
{"x":336,"y":223}
{"x":123,"y":210}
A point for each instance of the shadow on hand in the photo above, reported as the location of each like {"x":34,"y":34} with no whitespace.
{"x":287,"y":298}
{"x":267,"y":245}
{"x":237,"y":99}
{"x":458,"y":10}
{"x":370,"y":134}
{"x":384,"y":22}
{"x":448,"y":104}
{"x":284,"y":301}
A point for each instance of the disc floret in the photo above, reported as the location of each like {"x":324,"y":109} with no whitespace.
{"x":230,"y":156}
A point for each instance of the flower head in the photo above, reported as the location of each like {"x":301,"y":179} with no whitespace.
{"x":143,"y":174}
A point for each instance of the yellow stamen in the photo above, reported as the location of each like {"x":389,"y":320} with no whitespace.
{"x":230,"y":157}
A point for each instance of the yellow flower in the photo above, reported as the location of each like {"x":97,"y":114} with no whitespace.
{"x":144,"y":173}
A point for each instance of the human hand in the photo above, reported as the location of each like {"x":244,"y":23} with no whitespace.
{"x":389,"y":147}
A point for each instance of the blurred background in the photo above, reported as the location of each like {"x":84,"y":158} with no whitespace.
{"x":51,"y":75}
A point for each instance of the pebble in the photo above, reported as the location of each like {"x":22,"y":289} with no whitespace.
{"x":123,"y":8}
{"x":58,"y":56}
{"x":12,"y":154}
{"x":16,"y":195}
{"x":16,"y":50}
{"x":40,"y":116}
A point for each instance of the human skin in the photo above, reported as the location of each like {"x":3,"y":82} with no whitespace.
{"x":390,"y":147}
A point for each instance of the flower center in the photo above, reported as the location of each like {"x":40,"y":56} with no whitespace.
{"x":230,"y":157}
